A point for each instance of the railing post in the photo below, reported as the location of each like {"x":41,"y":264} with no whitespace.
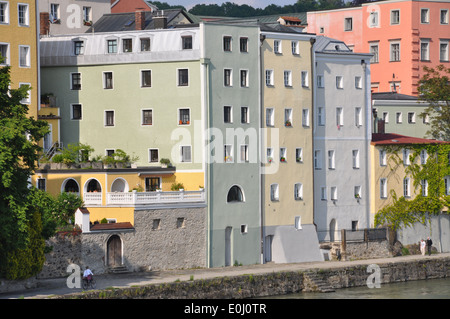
{"x":134,"y":200}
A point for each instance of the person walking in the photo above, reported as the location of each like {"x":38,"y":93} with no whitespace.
{"x":422,"y":247}
{"x":429,"y":243}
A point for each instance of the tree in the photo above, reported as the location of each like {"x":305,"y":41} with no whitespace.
{"x":19,"y":151}
{"x":434,"y":88}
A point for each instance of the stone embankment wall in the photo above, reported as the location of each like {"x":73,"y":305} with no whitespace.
{"x":272,"y":284}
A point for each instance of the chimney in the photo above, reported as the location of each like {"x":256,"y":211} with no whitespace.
{"x":139,"y":17}
{"x":44,"y":23}
{"x":160,"y":20}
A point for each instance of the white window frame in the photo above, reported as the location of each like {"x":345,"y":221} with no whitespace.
{"x":444,"y":54}
{"x":270,"y":116}
{"x":71,"y":81}
{"x":230,"y":108}
{"x":305,"y":79}
{"x":295,"y":47}
{"x":299,"y":155}
{"x":182,"y":85}
{"x":320,"y":81}
{"x":243,"y":153}
{"x":348,"y":24}
{"x":398,"y":118}
{"x":71,"y":112}
{"x":269,"y":154}
{"x":424,"y":186}
{"x":298,"y":223}
{"x":317,"y":159}
{"x":323,"y":193}
{"x":27,"y":57}
{"x":339,"y":116}
{"x":406,"y":160}
{"x":104,"y":80}
{"x":116,"y":46}
{"x":393,"y":55}
{"x":26,"y":23}
{"x":407,"y":187}
{"x":105,"y":118}
{"x":386,"y":117}
{"x":395,"y":17}
{"x":187,"y":123}
{"x":288,"y":117}
{"x":142,"y":117}
{"x":305,"y":117}
{"x":7,"y":57}
{"x":283,"y":154}
{"x":183,"y":158}
{"x":269,"y":78}
{"x":277,"y":47}
{"x":358,"y":117}
{"x":383,"y":157}
{"x":321,"y":118}
{"x":447,"y":185}
{"x":374,"y":19}
{"x":150,"y":157}
{"x":383,"y":188}
{"x":331,"y":159}
{"x":425,"y":18}
{"x":142,"y":78}
{"x":375,"y":50}
{"x":445,"y":20}
{"x":423,"y":157}
{"x":228,"y":153}
{"x":243,"y":78}
{"x":274,"y":192}
{"x":6,"y":12}
{"x":357,"y":192}
{"x":227,"y":37}
{"x":424,"y":49}
{"x":358,"y":82}
{"x":411,"y":117}
{"x":247,"y":115}
{"x":333,"y":193}
{"x":55,"y":15}
{"x":227,"y":77}
{"x":287,"y":76}
{"x":26,"y":100}
{"x":355,"y":159}
{"x":339,"y":82}
{"x":298,"y":191}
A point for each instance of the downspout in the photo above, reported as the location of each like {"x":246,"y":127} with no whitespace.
{"x":368,"y":135}
{"x":313,"y":106}
{"x":261,"y":143}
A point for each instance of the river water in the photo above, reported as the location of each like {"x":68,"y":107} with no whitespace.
{"x":420,"y":289}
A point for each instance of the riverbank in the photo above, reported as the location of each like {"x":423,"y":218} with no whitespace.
{"x":269,"y":279}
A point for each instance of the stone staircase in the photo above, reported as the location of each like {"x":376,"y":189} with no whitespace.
{"x":313,"y":282}
{"x":118,"y":270}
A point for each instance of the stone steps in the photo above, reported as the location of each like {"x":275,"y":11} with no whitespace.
{"x":314,"y":283}
{"x":118,"y":270}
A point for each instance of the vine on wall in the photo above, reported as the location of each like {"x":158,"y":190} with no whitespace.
{"x":404,"y":212}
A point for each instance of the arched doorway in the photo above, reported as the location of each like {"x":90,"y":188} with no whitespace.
{"x":119,"y":185}
{"x":333,"y":228}
{"x":70,"y":186}
{"x":114,"y":251}
{"x":93,"y":186}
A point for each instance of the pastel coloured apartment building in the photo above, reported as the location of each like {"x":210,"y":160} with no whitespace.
{"x":403,"y":36}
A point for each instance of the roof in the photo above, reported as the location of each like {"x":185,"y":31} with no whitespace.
{"x":326,"y":44}
{"x":114,"y":22}
{"x":397,"y":139}
{"x":392,"y":96}
{"x":83,"y":210}
{"x":112,"y":226}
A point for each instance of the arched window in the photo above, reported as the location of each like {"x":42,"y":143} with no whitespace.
{"x":93,"y":186}
{"x":235,"y":194}
{"x":71,"y":186}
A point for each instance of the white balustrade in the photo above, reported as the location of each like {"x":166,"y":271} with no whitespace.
{"x":92,"y":198}
{"x":146,"y":198}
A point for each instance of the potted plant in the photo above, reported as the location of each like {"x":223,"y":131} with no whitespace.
{"x":270,"y":159}
{"x":283,"y":159}
{"x":288,"y":123}
{"x":164,"y":162}
{"x":56,"y":162}
{"x":177,"y":187}
{"x":201,"y":188}
{"x":298,"y":159}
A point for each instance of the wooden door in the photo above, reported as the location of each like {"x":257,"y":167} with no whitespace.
{"x":114,"y":251}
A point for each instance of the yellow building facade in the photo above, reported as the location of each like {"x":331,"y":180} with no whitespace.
{"x":19,"y":46}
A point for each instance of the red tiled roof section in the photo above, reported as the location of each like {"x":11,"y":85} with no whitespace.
{"x":293,"y":19}
{"x":391,"y":138}
{"x":112,"y":226}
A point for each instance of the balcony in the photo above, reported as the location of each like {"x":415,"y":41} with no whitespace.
{"x":135,"y":198}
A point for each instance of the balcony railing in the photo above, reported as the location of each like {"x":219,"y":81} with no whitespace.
{"x":144,"y":198}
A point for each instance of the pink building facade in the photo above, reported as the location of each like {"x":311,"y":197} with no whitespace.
{"x":403,"y":35}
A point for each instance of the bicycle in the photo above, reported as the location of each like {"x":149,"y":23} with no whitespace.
{"x":88,"y":283}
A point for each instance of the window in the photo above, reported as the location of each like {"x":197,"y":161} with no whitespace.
{"x":183,"y":77}
{"x":373,"y":19}
{"x":274,"y":192}
{"x":298,"y":222}
{"x":333,"y":193}
{"x":444,"y":16}
{"x":112,"y":46}
{"x":228,"y":153}
{"x":424,"y":184}
{"x":383,"y":188}
{"x":447,"y":185}
{"x":339,"y":117}
{"x":227,"y":114}
{"x":424,"y":16}
{"x":443,"y":51}
{"x":127,"y":45}
{"x":339,"y":82}
{"x":76,"y":112}
{"x":305,"y":117}
{"x":156,"y":224}
{"x":270,"y":117}
{"x":287,"y":78}
{"x":4,"y":53}
{"x":109,"y":118}
{"x":244,"y":78}
{"x":244,"y":229}
{"x":75,"y":80}
{"x":355,"y":158}
{"x":184,"y":116}
{"x":87,"y":15}
{"x":358,"y":82}
{"x":186,"y":42}
{"x":323,"y":193}
{"x":425,"y":50}
{"x":305,"y":79}
{"x":27,"y":99}
{"x":386,"y":117}
{"x":152,"y":184}
{"x":40,"y":184}
{"x":358,"y":116}
{"x":147,"y":117}
{"x":23,"y":14}
{"x":269,"y":155}
{"x":395,"y":52}
{"x":406,"y":187}
{"x":383,"y":161}
{"x":185,"y":154}
{"x":244,"y":115}
{"x":317,"y":159}
{"x":283,"y":155}
{"x":331,"y":159}
{"x":406,"y":160}
{"x":227,"y":77}
{"x":145,"y":44}
{"x":24,"y":56}
{"x":321,"y":116}
{"x":146,"y":78}
{"x":243,"y":44}
{"x":277,"y":46}
{"x":398,"y":117}
{"x":288,"y":117}
{"x":294,"y":47}
{"x":78,"y":47}
{"x":426,"y":118}
{"x":348,"y":24}
{"x":227,"y":44}
{"x":411,"y":117}
{"x":153,"y":155}
{"x":298,"y":191}
{"x":244,"y":154}
{"x":54,"y":13}
{"x":357,"y":192}
{"x":235,"y":194}
{"x":299,"y":155}
{"x":354,"y":225}
{"x":107,"y":80}
{"x":4,"y":12}
{"x":374,"y":52}
{"x":269,"y":77}
{"x":320,"y":81}
{"x":395,"y":17}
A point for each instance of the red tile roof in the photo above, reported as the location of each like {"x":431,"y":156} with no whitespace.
{"x":112,"y":226}
{"x":391,"y":138}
